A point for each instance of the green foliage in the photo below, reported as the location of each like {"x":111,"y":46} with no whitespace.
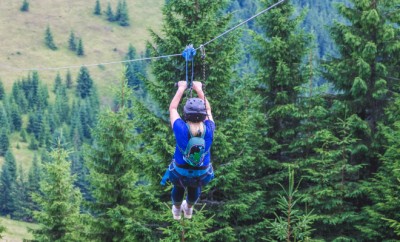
{"x":79,"y":50}
{"x":122,"y":15}
{"x":68,"y":80}
{"x":194,"y":229}
{"x":59,"y":202}
{"x":293,"y":224}
{"x":25,"y":6}
{"x":97,"y":8}
{"x":109,"y":13}
{"x":135,"y":71}
{"x":72,"y":41}
{"x":2,"y":229}
{"x":121,"y":203}
{"x":84,"y":83}
{"x":4,"y":142}
{"x":8,"y":179}
{"x":48,"y":39}
{"x":2,"y":92}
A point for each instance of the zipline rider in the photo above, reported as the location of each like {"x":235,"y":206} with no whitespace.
{"x":191,"y":167}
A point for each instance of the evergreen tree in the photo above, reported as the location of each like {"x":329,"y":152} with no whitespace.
{"x":294,"y":225}
{"x":234,"y":110}
{"x":33,"y":184}
{"x":72,"y":41}
{"x":365,"y":76}
{"x":4,"y":121}
{"x":61,"y":105}
{"x":97,"y":8}
{"x":57,"y":83}
{"x":279,"y":49}
{"x":135,"y":71}
{"x":4,"y":142}
{"x":109,"y":13}
{"x":48,"y":39}
{"x":2,"y":92}
{"x":25,"y":6}
{"x":79,"y":50}
{"x":59,"y":202}
{"x":384,"y":189}
{"x":121,"y":204}
{"x":8,"y":179}
{"x":20,"y":196}
{"x":122,"y":13}
{"x":84,"y":83}
{"x":68,"y":80}
{"x":15,"y":117}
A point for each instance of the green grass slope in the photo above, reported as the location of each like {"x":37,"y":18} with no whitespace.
{"x":22,"y":37}
{"x":16,"y":231}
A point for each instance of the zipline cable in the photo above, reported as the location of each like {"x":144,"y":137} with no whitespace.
{"x":146,"y":58}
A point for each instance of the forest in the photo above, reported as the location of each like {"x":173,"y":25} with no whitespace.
{"x":306,"y":103}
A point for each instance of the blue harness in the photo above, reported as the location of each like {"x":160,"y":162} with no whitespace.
{"x":184,"y":172}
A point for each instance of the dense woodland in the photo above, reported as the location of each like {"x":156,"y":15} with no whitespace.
{"x":305,"y":147}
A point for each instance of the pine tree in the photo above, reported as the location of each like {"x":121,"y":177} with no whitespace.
{"x":4,"y":120}
{"x":135,"y":71}
{"x":293,"y":224}
{"x":84,"y":83}
{"x":4,"y":142}
{"x":2,"y":92}
{"x":15,"y":117}
{"x":97,"y":8}
{"x":57,"y":82}
{"x":279,"y":49}
{"x":20,"y":196}
{"x":109,"y":13}
{"x":123,"y":14}
{"x":8,"y":178}
{"x":234,"y":109}
{"x":121,"y":204}
{"x":365,"y":75}
{"x":68,"y":80}
{"x":59,"y":202}
{"x":79,"y":50}
{"x":25,"y":6}
{"x":48,"y":39}
{"x":72,"y":41}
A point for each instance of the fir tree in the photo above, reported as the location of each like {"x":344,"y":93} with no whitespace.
{"x":135,"y":71}
{"x":292,"y":225}
{"x":109,"y":13}
{"x":15,"y":117}
{"x":20,"y":196}
{"x":2,"y":92}
{"x":25,"y":6}
{"x":68,"y":80}
{"x":121,"y":206}
{"x":97,"y":8}
{"x":48,"y":39}
{"x":72,"y":41}
{"x":84,"y":83}
{"x":79,"y":50}
{"x":4,"y":142}
{"x":59,"y":202}
{"x":122,"y":14}
{"x":8,"y":178}
{"x":4,"y":121}
{"x":57,"y":83}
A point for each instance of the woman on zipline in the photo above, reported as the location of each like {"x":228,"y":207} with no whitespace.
{"x":190,"y":168}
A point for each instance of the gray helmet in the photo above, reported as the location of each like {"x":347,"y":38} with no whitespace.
{"x":194,"y":110}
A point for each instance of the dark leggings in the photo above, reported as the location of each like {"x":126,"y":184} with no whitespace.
{"x":193,"y":194}
{"x":192,"y":185}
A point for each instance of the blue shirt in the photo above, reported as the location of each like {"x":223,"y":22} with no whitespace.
{"x":181,"y":133}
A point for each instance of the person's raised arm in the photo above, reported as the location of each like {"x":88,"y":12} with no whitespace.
{"x":173,"y":107}
{"x":198,"y":87}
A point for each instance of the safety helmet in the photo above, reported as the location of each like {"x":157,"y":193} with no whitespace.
{"x":195,"y":110}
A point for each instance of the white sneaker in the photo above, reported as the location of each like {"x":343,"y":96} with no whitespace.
{"x":176,"y":212}
{"x":187,"y":212}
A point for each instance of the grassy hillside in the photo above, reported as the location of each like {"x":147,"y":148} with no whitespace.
{"x":16,"y":231}
{"x":22,"y":44}
{"x":22,"y":37}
